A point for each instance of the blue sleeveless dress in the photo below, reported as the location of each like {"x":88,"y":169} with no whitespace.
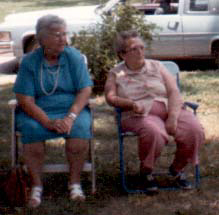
{"x":73,"y":76}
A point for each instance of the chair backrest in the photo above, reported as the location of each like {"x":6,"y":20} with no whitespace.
{"x":85,"y":59}
{"x":173,"y":69}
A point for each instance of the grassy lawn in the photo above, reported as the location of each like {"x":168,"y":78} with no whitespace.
{"x":197,"y":86}
{"x":200,"y":87}
{"x":15,"y":6}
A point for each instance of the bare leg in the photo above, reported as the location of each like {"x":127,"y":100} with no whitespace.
{"x":76,"y":151}
{"x":34,"y":158}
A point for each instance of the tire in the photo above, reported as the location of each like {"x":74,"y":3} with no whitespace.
{"x":215,"y":52}
{"x":31,"y":45}
{"x":216,"y":61}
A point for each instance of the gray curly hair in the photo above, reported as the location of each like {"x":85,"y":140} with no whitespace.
{"x":120,"y":41}
{"x":44,"y":23}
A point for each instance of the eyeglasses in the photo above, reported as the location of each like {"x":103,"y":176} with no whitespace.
{"x":135,"y":49}
{"x":57,"y":35}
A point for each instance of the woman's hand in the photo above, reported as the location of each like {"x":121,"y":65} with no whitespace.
{"x":49,"y":124}
{"x":137,"y":108}
{"x":171,"y":125}
{"x":69,"y":123}
{"x":61,"y":126}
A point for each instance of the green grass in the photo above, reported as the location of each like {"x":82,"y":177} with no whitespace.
{"x":202,"y":87}
{"x":207,"y":92}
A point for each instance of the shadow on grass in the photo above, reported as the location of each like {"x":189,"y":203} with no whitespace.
{"x":204,"y":75}
{"x":5,"y":126}
{"x":56,"y":196}
{"x":191,"y":65}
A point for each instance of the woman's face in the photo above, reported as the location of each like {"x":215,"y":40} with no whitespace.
{"x":56,"y":39}
{"x":134,"y":53}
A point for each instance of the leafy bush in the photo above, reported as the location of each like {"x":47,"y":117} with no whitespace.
{"x":97,"y":41}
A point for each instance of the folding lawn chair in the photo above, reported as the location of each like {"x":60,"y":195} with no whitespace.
{"x":174,"y":70}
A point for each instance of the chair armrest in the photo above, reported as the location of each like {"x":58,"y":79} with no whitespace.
{"x":192,"y":105}
{"x":12,"y":103}
{"x":92,"y":103}
{"x":96,"y":101}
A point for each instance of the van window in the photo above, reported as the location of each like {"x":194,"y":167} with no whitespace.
{"x":215,"y":7}
{"x":198,"y":5}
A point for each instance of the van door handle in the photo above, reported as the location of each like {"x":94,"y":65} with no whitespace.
{"x":173,"y":26}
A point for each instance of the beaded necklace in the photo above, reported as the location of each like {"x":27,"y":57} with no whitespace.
{"x":55,"y":84}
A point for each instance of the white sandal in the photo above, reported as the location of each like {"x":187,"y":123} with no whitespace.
{"x":76,"y":192}
{"x":35,"y":197}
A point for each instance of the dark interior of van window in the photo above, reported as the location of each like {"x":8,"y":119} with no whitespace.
{"x":150,"y":9}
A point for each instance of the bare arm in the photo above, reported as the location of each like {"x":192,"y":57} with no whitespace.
{"x":28,"y":105}
{"x":81,"y":100}
{"x":174,"y":101}
{"x":111,"y":95}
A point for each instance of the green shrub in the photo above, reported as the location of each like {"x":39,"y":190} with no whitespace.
{"x":97,"y":41}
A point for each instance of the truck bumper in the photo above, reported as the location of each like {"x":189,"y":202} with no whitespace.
{"x":6,"y":46}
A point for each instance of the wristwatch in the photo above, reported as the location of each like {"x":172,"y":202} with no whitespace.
{"x":72,"y":115}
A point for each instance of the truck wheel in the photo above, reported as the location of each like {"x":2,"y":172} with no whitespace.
{"x":31,"y":45}
{"x":216,"y":60}
{"x":215,"y":52}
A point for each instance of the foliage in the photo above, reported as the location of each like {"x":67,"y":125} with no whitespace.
{"x":96,"y":42}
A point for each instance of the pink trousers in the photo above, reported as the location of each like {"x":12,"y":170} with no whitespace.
{"x":152,"y":136}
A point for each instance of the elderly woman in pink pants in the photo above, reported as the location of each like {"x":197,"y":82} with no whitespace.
{"x":153,"y":109}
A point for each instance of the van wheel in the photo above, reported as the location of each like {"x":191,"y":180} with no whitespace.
{"x":31,"y":45}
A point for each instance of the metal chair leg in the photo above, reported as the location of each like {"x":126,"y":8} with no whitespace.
{"x":197,"y":176}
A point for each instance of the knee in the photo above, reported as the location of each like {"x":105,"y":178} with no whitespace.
{"x":196,"y":132}
{"x":190,"y":127}
{"x":75,"y":147}
{"x":34,"y":150}
{"x":191,"y":138}
{"x":149,"y":132}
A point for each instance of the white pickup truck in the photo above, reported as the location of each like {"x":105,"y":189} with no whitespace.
{"x":188,"y":30}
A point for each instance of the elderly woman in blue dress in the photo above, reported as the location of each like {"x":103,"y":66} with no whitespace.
{"x":52,"y":89}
